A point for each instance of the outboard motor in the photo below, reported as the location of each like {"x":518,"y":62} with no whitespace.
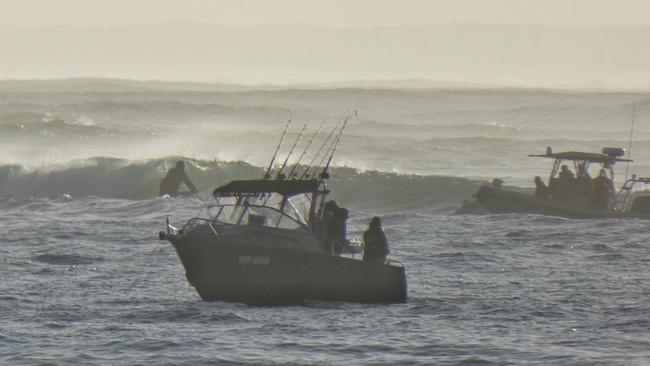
{"x":615,"y":152}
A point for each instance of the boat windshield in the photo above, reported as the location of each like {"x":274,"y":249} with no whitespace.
{"x":262,"y":210}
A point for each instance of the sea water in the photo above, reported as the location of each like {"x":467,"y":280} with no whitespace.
{"x":85,"y":280}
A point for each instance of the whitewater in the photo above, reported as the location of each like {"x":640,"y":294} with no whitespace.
{"x":85,"y":280}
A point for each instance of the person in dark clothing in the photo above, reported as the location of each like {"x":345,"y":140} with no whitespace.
{"x":172,"y":182}
{"x":541,"y":190}
{"x":603,"y":190}
{"x":327,"y":224}
{"x":340,"y":229}
{"x":335,"y":223}
{"x":565,"y":185}
{"x":565,"y":172}
{"x":584,"y":187}
{"x":375,"y":243}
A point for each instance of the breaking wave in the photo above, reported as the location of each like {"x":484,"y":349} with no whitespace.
{"x":138,"y":180}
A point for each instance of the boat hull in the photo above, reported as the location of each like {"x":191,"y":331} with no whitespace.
{"x":497,"y":200}
{"x":258,"y":269}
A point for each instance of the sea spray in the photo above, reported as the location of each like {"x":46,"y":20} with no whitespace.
{"x":129,"y":179}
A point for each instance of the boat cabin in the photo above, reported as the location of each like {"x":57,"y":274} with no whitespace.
{"x":287,"y":204}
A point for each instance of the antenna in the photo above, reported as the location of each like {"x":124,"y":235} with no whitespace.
{"x":629,"y":145}
{"x":291,"y":151}
{"x":295,"y":166}
{"x":269,"y":170}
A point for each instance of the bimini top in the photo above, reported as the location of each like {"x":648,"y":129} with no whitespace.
{"x":283,"y":187}
{"x":577,"y":155}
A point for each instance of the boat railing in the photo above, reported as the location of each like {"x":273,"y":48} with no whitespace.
{"x":169,"y":228}
{"x":195,"y":221}
{"x":621,"y":198}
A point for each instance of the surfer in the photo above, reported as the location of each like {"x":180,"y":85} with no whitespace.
{"x":375,"y":243}
{"x":172,"y":182}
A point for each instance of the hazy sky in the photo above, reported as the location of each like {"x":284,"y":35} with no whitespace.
{"x":338,"y":13}
{"x":51,"y":39}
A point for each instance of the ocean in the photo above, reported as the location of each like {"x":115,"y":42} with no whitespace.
{"x":86,"y":281}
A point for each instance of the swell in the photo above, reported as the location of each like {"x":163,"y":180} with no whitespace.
{"x":137,"y":108}
{"x":30,"y":124}
{"x":32,"y":130}
{"x":494,"y":129}
{"x":138,"y":180}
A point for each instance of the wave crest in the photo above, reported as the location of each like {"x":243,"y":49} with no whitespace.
{"x":128,"y":179}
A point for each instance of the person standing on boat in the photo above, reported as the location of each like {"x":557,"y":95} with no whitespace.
{"x":335,"y":222}
{"x":541,"y":190}
{"x":566,"y":173}
{"x":566,"y":185}
{"x":584,"y":187}
{"x":340,"y":229}
{"x":375,"y":243}
{"x":172,"y":182}
{"x":603,"y":190}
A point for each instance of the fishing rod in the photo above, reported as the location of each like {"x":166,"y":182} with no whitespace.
{"x":335,"y":142}
{"x":284,"y":165}
{"x":330,"y":147}
{"x":291,"y":151}
{"x":313,"y":160}
{"x":295,"y":166}
{"x":629,"y":145}
{"x":317,"y":155}
{"x":324,"y":173}
{"x":270,"y":168}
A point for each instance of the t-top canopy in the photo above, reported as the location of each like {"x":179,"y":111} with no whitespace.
{"x":283,"y":187}
{"x":577,"y":155}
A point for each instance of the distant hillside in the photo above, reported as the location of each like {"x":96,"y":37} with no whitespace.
{"x":298,"y":54}
{"x":76,"y":85}
{"x":109,"y":85}
{"x":128,"y":85}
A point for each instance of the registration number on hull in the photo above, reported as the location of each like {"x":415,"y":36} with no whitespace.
{"x":252,"y":260}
